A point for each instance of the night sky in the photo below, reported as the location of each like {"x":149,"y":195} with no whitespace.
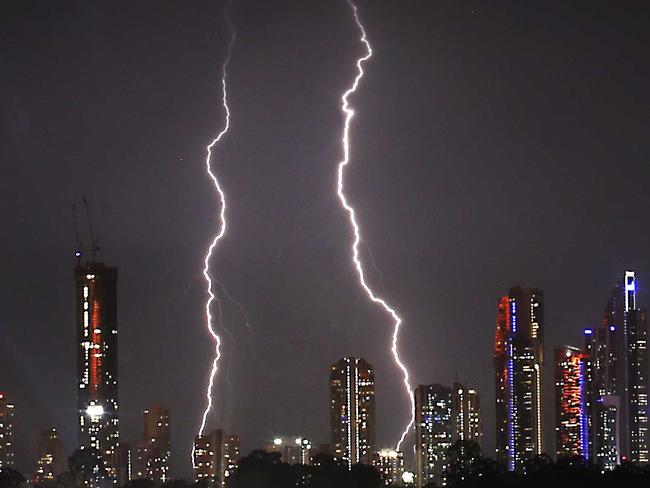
{"x":495,"y":144}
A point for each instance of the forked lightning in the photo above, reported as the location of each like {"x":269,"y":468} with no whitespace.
{"x":222,"y":227}
{"x":348,"y":112}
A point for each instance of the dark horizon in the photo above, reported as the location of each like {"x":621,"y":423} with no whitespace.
{"x":493,"y":146}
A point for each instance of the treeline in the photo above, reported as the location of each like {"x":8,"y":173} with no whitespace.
{"x":466,"y":468}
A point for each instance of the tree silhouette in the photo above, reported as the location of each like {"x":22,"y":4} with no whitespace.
{"x":261,"y":469}
{"x":463,"y":462}
{"x":10,"y":478}
{"x":87,"y":464}
{"x":140,"y":483}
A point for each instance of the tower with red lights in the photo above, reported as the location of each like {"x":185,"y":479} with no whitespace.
{"x":501,"y":337}
{"x":97,"y":380}
{"x":518,"y":362}
{"x":571,"y":402}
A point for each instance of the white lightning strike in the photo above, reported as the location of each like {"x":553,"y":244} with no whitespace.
{"x":222,"y":227}
{"x":349,"y":114}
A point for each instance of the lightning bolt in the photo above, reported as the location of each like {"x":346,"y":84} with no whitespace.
{"x":222,"y":226}
{"x":345,"y":142}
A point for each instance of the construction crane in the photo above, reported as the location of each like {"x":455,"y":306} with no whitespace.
{"x":95,"y":242}
{"x":77,"y":240}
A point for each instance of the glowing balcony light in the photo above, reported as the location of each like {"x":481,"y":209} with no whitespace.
{"x":95,"y":410}
{"x":408,"y":477}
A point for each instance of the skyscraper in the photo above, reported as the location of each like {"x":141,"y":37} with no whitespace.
{"x":518,"y":361}
{"x":603,"y":401}
{"x":154,"y":451}
{"x":50,"y":462}
{"x":571,"y":402}
{"x":352,"y":410}
{"x":215,"y":457}
{"x":433,"y":432}
{"x":627,"y":373}
{"x":637,"y":376}
{"x":466,"y":414}
{"x":123,"y":464}
{"x":500,"y":358}
{"x":6,"y":432}
{"x":97,"y":398}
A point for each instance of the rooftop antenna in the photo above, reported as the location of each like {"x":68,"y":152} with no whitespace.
{"x":77,"y":252}
{"x":95,"y":245}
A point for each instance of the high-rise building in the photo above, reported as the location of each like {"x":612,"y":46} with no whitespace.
{"x":352,"y":410}
{"x":501,"y":348}
{"x":215,"y":457}
{"x":518,"y":360}
{"x":466,"y":414}
{"x":50,"y":462}
{"x":390,"y":465}
{"x":620,"y":372}
{"x":292,"y":449}
{"x":433,"y":432}
{"x":6,"y":432}
{"x":154,"y":451}
{"x":637,"y":377}
{"x":123,"y":464}
{"x":603,"y":401}
{"x":97,"y":398}
{"x":571,"y":402}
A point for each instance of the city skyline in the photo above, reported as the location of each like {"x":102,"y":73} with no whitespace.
{"x":584,"y":420}
{"x":526,"y":119}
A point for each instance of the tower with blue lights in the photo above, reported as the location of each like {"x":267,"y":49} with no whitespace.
{"x":571,"y":403}
{"x":619,"y":375}
{"x":501,"y":346}
{"x":604,"y":402}
{"x":632,"y":369}
{"x":518,"y":362}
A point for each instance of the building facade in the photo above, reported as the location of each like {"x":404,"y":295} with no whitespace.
{"x":50,"y":462}
{"x":500,"y":360}
{"x":292,"y":449}
{"x":154,"y":451}
{"x":637,"y":378}
{"x":604,"y":402}
{"x":123,"y":464}
{"x":571,"y":403}
{"x":518,"y":360}
{"x":215,"y":456}
{"x":390,"y":465}
{"x":433,"y":432}
{"x":466,"y":414}
{"x":97,"y":379}
{"x":6,"y":432}
{"x":619,"y":370}
{"x":352,"y":410}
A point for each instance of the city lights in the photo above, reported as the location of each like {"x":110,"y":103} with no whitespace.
{"x":95,"y":411}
